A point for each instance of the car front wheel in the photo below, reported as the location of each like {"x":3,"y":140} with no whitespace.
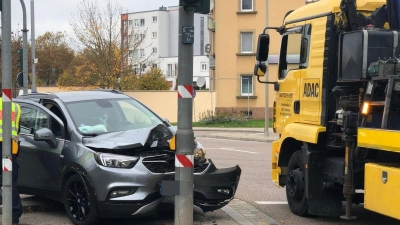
{"x":79,"y":201}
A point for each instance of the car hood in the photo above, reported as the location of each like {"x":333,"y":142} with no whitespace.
{"x":156,"y":137}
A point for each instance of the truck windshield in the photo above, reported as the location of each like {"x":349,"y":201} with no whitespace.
{"x":100,"y":116}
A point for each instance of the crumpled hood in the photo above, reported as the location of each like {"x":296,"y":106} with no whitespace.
{"x":157,"y":136}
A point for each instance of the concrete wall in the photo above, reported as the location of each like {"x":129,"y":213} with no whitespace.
{"x":164,"y":103}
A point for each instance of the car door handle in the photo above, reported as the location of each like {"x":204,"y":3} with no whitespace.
{"x":296,"y":107}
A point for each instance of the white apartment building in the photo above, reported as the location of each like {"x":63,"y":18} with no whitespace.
{"x":158,"y":34}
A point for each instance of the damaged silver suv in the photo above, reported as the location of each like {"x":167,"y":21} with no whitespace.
{"x":104,"y":154}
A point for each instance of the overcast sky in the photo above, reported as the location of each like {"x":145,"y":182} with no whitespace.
{"x":54,"y":15}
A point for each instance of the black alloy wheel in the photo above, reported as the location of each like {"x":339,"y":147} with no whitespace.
{"x":296,"y":186}
{"x":79,"y":201}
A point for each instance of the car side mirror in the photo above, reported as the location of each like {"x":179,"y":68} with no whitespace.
{"x":46,"y":135}
{"x":166,"y":122}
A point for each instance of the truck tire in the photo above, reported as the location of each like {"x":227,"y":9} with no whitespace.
{"x":296,"y":186}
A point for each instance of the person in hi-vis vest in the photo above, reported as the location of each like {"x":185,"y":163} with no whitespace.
{"x":15,"y":122}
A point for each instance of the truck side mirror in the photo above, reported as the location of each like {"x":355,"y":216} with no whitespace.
{"x":262,"y":47}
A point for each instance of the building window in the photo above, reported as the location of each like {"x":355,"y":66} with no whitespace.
{"x":247,"y":5}
{"x":136,"y":22}
{"x":154,"y":19}
{"x":203,"y":67}
{"x":246,"y":42}
{"x":130,"y":22}
{"x":155,"y":65}
{"x":169,"y":71}
{"x":246,"y":85}
{"x":142,"y":22}
{"x":154,"y":50}
{"x":141,"y":52}
{"x":154,"y":34}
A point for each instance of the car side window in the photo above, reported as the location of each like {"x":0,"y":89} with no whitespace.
{"x":32,"y":120}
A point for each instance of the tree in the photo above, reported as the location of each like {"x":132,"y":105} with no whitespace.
{"x":54,"y":56}
{"x":97,"y":38}
{"x":153,"y":79}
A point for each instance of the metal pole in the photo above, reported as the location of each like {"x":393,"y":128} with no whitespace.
{"x":25,"y":47}
{"x":33,"y":46}
{"x":266,"y":132}
{"x":248,"y":97}
{"x":185,"y":135}
{"x":6,"y":55}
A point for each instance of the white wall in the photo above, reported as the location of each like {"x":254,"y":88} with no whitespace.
{"x":197,"y":61}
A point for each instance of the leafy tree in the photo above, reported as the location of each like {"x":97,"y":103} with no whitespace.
{"x":153,"y":79}
{"x":54,"y":57}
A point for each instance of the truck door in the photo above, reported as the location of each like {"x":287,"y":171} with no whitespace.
{"x":287,"y":103}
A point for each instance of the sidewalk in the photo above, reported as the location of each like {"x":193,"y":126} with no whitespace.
{"x":244,"y":134}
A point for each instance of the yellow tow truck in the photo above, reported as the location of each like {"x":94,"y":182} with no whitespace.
{"x":337,"y":111}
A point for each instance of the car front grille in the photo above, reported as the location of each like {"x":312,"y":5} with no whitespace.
{"x":166,"y":164}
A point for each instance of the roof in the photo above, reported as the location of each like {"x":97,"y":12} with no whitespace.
{"x":323,"y":7}
{"x":74,"y":96}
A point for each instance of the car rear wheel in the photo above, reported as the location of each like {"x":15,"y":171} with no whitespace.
{"x":79,"y":201}
{"x":295,"y":185}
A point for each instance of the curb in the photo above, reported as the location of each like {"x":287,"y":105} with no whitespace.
{"x":217,"y":136}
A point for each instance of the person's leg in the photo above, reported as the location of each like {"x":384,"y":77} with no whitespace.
{"x":16,"y":200}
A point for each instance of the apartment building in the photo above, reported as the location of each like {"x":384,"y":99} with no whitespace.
{"x":234,"y":28}
{"x":154,"y":38}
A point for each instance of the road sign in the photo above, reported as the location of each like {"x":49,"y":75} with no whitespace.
{"x":188,"y":34}
{"x":20,"y":79}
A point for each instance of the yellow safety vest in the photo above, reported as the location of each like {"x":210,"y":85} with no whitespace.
{"x":15,"y":119}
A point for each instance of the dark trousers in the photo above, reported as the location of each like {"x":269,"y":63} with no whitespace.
{"x":16,"y":200}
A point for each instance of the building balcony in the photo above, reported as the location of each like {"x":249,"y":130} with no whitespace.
{"x":212,"y":62}
{"x":211,"y":24}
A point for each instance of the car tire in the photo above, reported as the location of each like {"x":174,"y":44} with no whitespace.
{"x":79,"y":201}
{"x":296,"y":186}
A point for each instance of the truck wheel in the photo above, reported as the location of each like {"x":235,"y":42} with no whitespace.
{"x":79,"y":201}
{"x":295,"y":185}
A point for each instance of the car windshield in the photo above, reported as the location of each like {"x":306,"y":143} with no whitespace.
{"x":100,"y":116}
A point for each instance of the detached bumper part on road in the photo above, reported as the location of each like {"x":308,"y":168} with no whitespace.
{"x":215,"y":188}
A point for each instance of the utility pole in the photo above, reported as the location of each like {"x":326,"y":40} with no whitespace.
{"x":33,"y":47}
{"x":25,"y":47}
{"x":185,"y":136}
{"x":266,"y":132}
{"x":6,"y":55}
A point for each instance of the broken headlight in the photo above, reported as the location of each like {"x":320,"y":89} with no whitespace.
{"x":199,"y":152}
{"x":116,"y":161}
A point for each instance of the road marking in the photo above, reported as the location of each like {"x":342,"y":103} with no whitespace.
{"x":271,"y":202}
{"x":257,"y":134}
{"x":234,"y":150}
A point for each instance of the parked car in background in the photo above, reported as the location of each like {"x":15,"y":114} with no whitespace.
{"x":104,"y":154}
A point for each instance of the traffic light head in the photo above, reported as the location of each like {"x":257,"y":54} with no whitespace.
{"x":21,"y":59}
{"x":190,"y":5}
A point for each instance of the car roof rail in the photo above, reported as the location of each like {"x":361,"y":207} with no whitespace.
{"x":108,"y":90}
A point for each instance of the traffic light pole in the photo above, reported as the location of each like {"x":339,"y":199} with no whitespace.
{"x":6,"y":55}
{"x":185,"y":136}
{"x":25,"y":51}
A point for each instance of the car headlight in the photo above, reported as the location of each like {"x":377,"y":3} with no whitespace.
{"x":199,"y":152}
{"x":116,"y":161}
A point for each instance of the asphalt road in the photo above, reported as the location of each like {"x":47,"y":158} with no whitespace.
{"x":256,"y":188}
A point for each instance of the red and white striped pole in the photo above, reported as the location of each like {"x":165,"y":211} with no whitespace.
{"x":6,"y":56}
{"x":185,"y":135}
